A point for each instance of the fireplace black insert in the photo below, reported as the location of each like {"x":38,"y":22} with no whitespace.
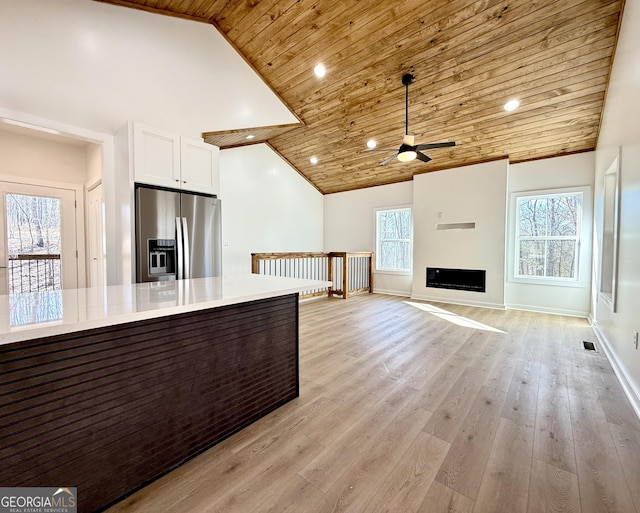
{"x":458,"y":279}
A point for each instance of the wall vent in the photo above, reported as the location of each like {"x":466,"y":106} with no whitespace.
{"x":589,"y":346}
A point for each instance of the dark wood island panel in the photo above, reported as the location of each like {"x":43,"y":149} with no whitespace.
{"x":110,"y":409}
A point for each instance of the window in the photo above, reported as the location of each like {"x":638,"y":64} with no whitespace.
{"x":548,"y":236}
{"x":610,"y":219}
{"x":394,"y":228}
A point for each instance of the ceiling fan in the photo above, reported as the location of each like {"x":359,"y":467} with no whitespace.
{"x":408,"y":151}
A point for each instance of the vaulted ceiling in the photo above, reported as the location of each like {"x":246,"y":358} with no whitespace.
{"x":468,"y":58}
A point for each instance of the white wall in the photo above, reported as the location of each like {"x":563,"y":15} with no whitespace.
{"x":96,"y":66}
{"x":472,"y":194}
{"x":620,"y":129}
{"x":266,"y":207}
{"x":94,"y":164}
{"x":349,"y":225}
{"x":556,"y":173}
{"x":42,"y":158}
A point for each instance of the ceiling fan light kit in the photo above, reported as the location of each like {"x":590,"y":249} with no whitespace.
{"x":407,"y":155}
{"x":409,"y":151}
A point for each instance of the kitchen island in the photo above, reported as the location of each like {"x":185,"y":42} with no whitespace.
{"x":107,"y":389}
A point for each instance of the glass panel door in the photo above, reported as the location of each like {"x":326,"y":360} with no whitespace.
{"x":38,"y":250}
{"x":33,"y":243}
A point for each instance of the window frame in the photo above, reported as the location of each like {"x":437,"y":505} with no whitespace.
{"x":517,"y":197}
{"x":377,"y":241}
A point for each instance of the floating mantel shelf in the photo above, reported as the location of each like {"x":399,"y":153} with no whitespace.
{"x":456,"y":226}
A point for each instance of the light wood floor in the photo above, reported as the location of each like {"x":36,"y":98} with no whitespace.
{"x":402,"y":410}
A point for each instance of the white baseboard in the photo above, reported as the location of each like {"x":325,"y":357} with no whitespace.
{"x":552,"y":311}
{"x":630,"y":390}
{"x":391,"y":292}
{"x":478,"y":304}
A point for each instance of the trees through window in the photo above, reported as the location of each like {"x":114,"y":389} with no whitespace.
{"x":394,"y":228}
{"x":547,"y":236}
{"x":33,"y":242}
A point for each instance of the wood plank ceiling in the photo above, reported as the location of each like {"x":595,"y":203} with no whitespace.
{"x":468,"y":58}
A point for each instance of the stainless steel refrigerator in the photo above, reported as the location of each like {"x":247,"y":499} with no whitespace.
{"x":178,"y":234}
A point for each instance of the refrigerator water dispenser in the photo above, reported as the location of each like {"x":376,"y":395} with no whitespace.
{"x":162,"y":257}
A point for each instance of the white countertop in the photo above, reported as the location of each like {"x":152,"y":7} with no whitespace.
{"x":43,"y":314}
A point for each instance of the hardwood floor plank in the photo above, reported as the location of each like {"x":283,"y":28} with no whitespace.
{"x":326,"y":468}
{"x":408,"y":483}
{"x":441,"y":382}
{"x":473,"y":345}
{"x":295,"y":419}
{"x":296,"y":495}
{"x":486,"y":359}
{"x":376,"y":372}
{"x":552,"y":489}
{"x":553,"y":367}
{"x":269,"y":485}
{"x":616,"y":407}
{"x":355,"y":411}
{"x":522,"y":399}
{"x":442,"y":499}
{"x":600,"y":474}
{"x":354,"y":486}
{"x":157,"y":496}
{"x":553,"y":441}
{"x":218,"y":479}
{"x":430,"y":361}
{"x":446,"y":420}
{"x":463,"y":468}
{"x":627,"y":442}
{"x":505,"y":484}
{"x":501,"y":375}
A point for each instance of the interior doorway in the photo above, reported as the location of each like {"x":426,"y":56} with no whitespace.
{"x":38,"y":238}
{"x":94,"y":237}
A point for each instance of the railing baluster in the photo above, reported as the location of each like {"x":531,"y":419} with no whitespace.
{"x":349,"y":273}
{"x":34,"y":272}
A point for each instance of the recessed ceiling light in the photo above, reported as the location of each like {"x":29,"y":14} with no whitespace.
{"x":511,"y":105}
{"x":250,"y":136}
{"x":313,"y":160}
{"x":371,"y":144}
{"x":320,"y":71}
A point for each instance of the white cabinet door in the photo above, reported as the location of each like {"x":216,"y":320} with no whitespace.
{"x":156,"y":156}
{"x":198,"y":166}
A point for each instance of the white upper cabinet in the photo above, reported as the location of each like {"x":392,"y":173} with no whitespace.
{"x":199,"y":166}
{"x":156,"y":156}
{"x":169,"y":160}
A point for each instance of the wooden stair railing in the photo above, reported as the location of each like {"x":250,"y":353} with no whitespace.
{"x":351,"y":273}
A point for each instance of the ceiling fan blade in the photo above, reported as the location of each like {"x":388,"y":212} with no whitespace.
{"x":422,"y":157}
{"x":381,"y":149}
{"x":431,"y":146}
{"x":388,"y":159}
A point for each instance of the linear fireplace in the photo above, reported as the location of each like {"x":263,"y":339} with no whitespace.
{"x":458,"y":279}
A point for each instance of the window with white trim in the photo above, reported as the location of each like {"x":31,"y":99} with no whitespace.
{"x":548,"y":228}
{"x":394,"y":240}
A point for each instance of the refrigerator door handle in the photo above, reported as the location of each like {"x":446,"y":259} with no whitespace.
{"x":187,"y":256}
{"x":180,"y":248}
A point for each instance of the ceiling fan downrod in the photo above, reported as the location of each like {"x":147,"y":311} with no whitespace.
{"x":406,"y":80}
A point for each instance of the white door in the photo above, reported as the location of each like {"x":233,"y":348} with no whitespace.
{"x":95,"y":237}
{"x":37,"y":238}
